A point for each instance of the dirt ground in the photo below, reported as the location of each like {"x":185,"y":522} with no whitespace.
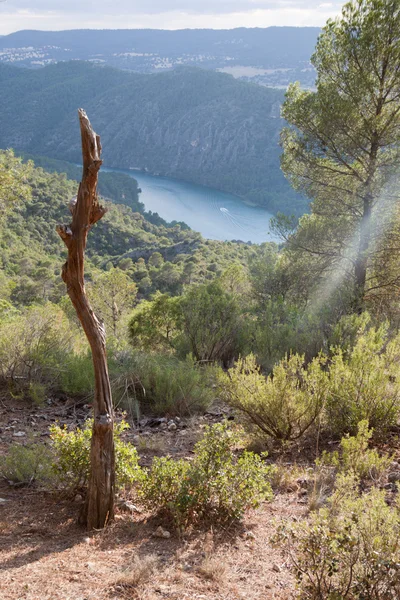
{"x":45,"y":555}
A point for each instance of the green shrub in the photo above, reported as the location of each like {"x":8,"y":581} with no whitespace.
{"x":214,"y":486}
{"x":33,"y":345}
{"x":283,"y":405}
{"x":205,"y":321}
{"x":356,"y":457}
{"x":163,"y":384}
{"x":348,"y":550}
{"x":26,"y":464}
{"x":364,"y":384}
{"x":211,"y":323}
{"x":360,"y":384}
{"x":77,"y":375}
{"x":71,"y":458}
{"x":37,"y":392}
{"x":349,"y":329}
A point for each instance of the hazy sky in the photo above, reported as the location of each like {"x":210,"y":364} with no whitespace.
{"x":161,"y":14}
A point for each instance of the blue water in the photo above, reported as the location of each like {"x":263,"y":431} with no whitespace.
{"x":216,"y":215}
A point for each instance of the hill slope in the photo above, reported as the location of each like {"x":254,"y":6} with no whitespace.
{"x":188,"y":123}
{"x":279,"y":54}
{"x":31,"y":252}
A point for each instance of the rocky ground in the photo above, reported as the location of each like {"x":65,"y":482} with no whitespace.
{"x":45,"y":555}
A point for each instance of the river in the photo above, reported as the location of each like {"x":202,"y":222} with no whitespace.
{"x":216,"y":215}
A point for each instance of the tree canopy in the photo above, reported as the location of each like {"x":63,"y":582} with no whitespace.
{"x":342,"y":146}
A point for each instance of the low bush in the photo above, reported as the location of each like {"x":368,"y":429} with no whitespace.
{"x":24,"y":465}
{"x":364,"y":384}
{"x":214,"y":486}
{"x":71,"y":457}
{"x":163,"y":384}
{"x":33,"y":345}
{"x":283,"y":405}
{"x":337,"y":391}
{"x":77,"y":375}
{"x":355,"y":456}
{"x":348,"y":550}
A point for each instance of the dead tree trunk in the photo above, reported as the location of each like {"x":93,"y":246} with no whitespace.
{"x":86,"y":211}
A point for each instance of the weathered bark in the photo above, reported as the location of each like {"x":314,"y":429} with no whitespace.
{"x":86,"y":211}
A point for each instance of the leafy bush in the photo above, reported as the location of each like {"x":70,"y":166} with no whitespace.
{"x":356,"y":457}
{"x":71,"y":460}
{"x":163,"y":383}
{"x":283,"y":405}
{"x":26,"y":464}
{"x":37,"y":392}
{"x":77,"y":375}
{"x":364,"y":385}
{"x":348,"y":550}
{"x":205,"y":321}
{"x":211,"y":323}
{"x":349,"y":329}
{"x":213,"y":486}
{"x":360,"y":384}
{"x":33,"y":345}
{"x":155,"y":325}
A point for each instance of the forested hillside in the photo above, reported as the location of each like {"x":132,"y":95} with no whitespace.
{"x":161,"y":257}
{"x":272,"y":56}
{"x":222,"y":417}
{"x":191,"y":124}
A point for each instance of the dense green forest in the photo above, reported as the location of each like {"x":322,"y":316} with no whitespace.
{"x":189,"y":123}
{"x":157,"y":257}
{"x":118,"y":187}
{"x":297,"y":343}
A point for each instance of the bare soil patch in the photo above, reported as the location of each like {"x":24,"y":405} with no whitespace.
{"x":45,"y":555}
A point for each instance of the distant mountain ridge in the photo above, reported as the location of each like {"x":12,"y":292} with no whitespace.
{"x":192,"y":124}
{"x":272,"y":56}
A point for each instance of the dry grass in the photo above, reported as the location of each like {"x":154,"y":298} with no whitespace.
{"x":321,"y":488}
{"x":286,"y":477}
{"x":139,"y":572}
{"x":153,"y":443}
{"x":213,"y":568}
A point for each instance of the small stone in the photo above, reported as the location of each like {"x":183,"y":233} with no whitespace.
{"x":87,"y":540}
{"x":19,"y":434}
{"x":183,"y":432}
{"x":172,"y":426}
{"x":177,"y":419}
{"x":163,"y":426}
{"x":160,"y":532}
{"x":3,"y":500}
{"x":78,"y":498}
{"x":250,"y":535}
{"x":302,"y":482}
{"x":128,"y":506}
{"x":392,"y":477}
{"x":276,"y":568}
